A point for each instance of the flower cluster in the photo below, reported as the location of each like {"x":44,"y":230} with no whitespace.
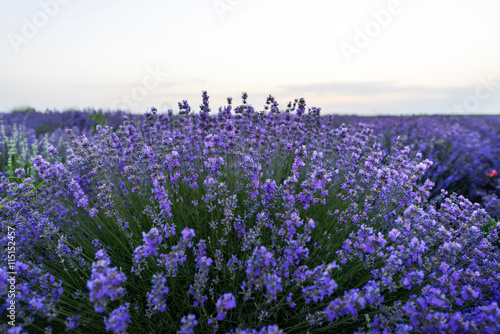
{"x":118,"y":319}
{"x":157,"y":297}
{"x":224,"y":304}
{"x":105,"y":283}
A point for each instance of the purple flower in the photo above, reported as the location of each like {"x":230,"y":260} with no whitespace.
{"x":289,"y":300}
{"x":273,"y":285}
{"x":187,"y":236}
{"x":187,"y":324}
{"x":105,"y":283}
{"x":157,"y":297}
{"x":118,"y":319}
{"x":152,"y":239}
{"x":413,"y":278}
{"x":200,"y":280}
{"x":72,"y":322}
{"x":394,"y":234}
{"x":225,"y":303}
{"x":188,"y":233}
{"x":261,"y":261}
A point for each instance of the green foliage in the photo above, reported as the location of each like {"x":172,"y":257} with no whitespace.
{"x":22,"y":110}
{"x":488,"y":229}
{"x":99,"y":119}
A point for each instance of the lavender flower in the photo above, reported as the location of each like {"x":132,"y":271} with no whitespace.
{"x":118,"y":319}
{"x":224,"y":304}
{"x":72,"y":322}
{"x":157,"y":297}
{"x":105,"y":283}
{"x":187,"y":324}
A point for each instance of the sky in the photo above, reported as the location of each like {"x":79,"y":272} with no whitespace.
{"x":392,"y":57}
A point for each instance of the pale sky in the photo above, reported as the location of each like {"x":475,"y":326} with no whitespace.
{"x":347,"y":57}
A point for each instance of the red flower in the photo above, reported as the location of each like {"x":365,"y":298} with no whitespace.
{"x":493,"y":173}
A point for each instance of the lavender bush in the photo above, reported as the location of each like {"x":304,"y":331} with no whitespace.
{"x":244,"y":222}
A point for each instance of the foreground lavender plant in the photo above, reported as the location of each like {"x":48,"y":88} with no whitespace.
{"x":244,"y":222}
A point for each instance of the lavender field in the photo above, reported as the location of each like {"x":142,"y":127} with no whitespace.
{"x":248,"y":220}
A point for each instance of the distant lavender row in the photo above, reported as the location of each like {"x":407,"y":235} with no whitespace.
{"x":243,"y":222}
{"x":51,"y":120}
{"x":465,"y":150}
{"x":23,"y":135}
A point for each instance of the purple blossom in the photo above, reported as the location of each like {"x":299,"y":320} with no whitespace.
{"x":225,"y":303}
{"x":187,"y":324}
{"x":413,"y":278}
{"x":72,"y":322}
{"x":200,"y":280}
{"x":273,"y":286}
{"x":118,"y":319}
{"x":157,"y":297}
{"x":105,"y":283}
